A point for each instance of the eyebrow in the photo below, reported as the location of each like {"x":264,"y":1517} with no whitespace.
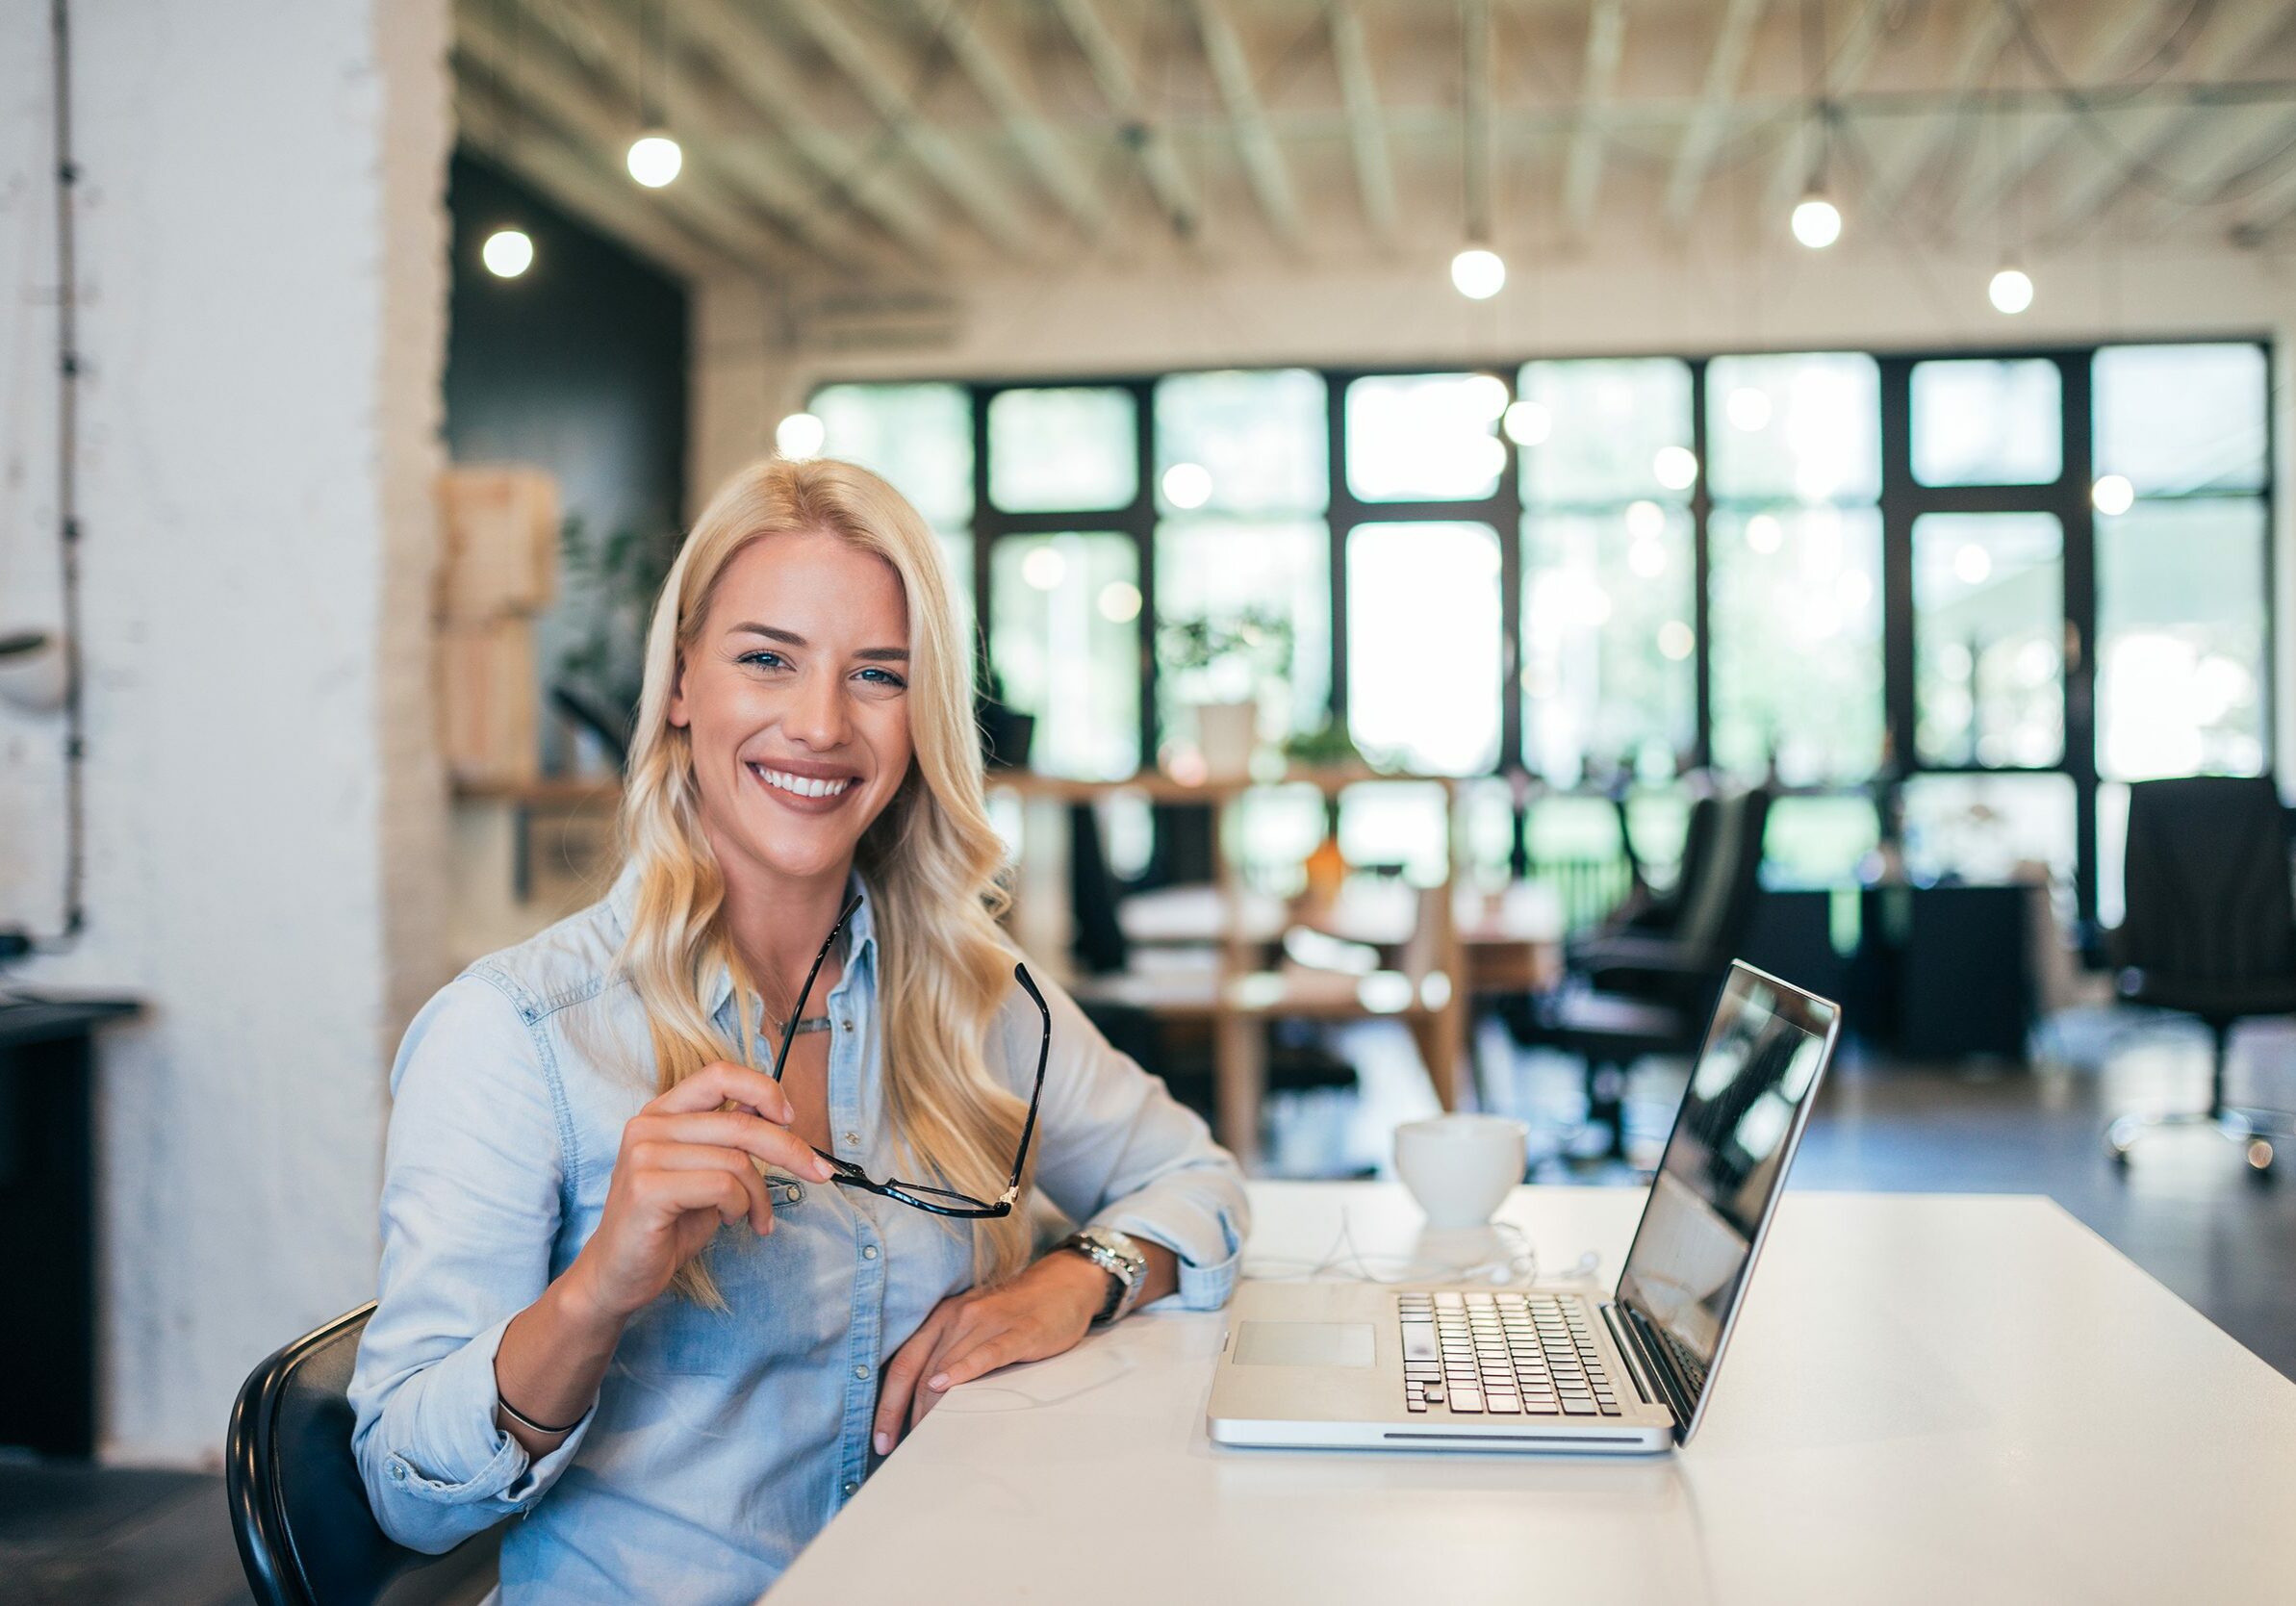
{"x":790,"y":638}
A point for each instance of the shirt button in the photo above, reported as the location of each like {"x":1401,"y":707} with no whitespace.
{"x":399,"y":1472}
{"x":851,"y":1486}
{"x":861,"y":1372}
{"x":869,"y":1252}
{"x":845,"y":1026}
{"x":851,"y":1137}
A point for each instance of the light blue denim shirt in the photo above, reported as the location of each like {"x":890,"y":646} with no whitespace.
{"x":721,"y":1441}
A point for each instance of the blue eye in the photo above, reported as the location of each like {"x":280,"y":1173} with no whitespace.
{"x":762,"y":659}
{"x":883,"y":677}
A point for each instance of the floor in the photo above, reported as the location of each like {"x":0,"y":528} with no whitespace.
{"x":2184,"y":1211}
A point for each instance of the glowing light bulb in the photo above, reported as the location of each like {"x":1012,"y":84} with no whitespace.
{"x":1817,"y":221}
{"x":507,"y":253}
{"x":1478,"y":274}
{"x":2113,"y":496}
{"x":1529,"y":422}
{"x":1646,"y":521}
{"x":2011,"y":291}
{"x":1676,"y":467}
{"x":1119,"y":601}
{"x":1486,"y":393}
{"x":1675,"y":640}
{"x":1748,"y":408}
{"x":800,"y":435}
{"x":1188,"y":485}
{"x":1764,"y":533}
{"x":1972,"y":565}
{"x":655,"y":159}
{"x":1044,"y":568}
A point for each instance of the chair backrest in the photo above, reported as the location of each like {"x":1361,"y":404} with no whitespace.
{"x":1099,"y":942}
{"x":298,"y":1510}
{"x":1718,"y":886}
{"x":2206,"y":880}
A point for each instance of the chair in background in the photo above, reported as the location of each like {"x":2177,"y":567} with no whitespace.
{"x":1650,"y":915}
{"x":2210,"y":931}
{"x":298,"y":1510}
{"x":1635,"y":993}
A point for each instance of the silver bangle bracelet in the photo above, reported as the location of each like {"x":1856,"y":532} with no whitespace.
{"x":525,"y":1421}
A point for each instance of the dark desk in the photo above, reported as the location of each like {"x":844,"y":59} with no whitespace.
{"x":47,"y":1220}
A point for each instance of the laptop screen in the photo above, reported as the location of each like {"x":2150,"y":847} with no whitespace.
{"x":1723,"y":1168}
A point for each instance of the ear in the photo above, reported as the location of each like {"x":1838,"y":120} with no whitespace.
{"x":678,"y":717}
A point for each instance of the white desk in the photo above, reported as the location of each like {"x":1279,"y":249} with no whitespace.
{"x":1930,"y":1399}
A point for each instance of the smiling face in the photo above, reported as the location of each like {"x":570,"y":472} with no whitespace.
{"x":794,"y":694}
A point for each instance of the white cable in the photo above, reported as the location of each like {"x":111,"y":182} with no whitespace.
{"x":1516,"y":1266}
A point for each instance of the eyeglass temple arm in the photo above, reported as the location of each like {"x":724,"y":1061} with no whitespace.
{"x":797,"y":1010}
{"x":1020,"y":1161}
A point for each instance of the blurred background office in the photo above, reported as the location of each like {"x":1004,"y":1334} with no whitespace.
{"x":1476,"y":512}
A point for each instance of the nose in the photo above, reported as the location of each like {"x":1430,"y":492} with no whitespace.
{"x":816,"y":716}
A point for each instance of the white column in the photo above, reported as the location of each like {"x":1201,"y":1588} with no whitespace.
{"x":263,"y":272}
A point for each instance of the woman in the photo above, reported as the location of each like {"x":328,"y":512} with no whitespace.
{"x":637,"y":1291}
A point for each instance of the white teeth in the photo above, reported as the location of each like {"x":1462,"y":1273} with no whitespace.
{"x":803,"y":786}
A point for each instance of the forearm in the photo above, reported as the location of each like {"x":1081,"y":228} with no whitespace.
{"x":552,"y":1358}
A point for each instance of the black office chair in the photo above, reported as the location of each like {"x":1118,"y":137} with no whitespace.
{"x":1640,"y":993}
{"x":1647,"y":914}
{"x":2210,"y":931}
{"x":306,"y":1535}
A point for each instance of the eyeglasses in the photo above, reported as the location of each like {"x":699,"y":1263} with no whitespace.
{"x":939,"y":1201}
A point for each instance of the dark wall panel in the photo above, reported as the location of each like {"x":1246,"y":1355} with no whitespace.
{"x":578,"y":365}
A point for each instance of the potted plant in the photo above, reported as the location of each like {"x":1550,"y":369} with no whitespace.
{"x":1220,"y":665}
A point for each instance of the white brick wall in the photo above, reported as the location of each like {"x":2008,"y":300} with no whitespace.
{"x":263,"y":257}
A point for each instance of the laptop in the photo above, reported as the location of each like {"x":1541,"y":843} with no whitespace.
{"x":1560,"y":1367}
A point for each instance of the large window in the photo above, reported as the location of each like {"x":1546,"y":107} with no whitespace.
{"x":1609,"y":571}
{"x":1963,"y":598}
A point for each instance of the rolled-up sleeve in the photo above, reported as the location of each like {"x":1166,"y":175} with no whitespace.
{"x":1116,"y":1149}
{"x":472,"y":1179}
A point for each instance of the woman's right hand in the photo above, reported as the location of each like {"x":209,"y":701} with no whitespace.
{"x":683,"y":1169}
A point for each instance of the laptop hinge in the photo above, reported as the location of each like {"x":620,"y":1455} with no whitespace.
{"x":1652,"y":1376}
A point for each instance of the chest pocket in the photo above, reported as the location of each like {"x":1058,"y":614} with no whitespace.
{"x":773,"y":1288}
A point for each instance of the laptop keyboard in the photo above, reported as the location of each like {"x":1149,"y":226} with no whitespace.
{"x":1502,"y":1354}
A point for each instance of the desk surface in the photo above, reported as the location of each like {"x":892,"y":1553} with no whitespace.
{"x":1929,"y":1399}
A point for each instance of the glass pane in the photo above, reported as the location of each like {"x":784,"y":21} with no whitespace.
{"x":1574,"y":847}
{"x":2182,"y":417}
{"x":1243,"y":442}
{"x":1278,"y":826}
{"x":920,"y":437}
{"x":2112,"y":852}
{"x":1989,"y":639}
{"x":1988,"y":422}
{"x":1805,"y":426}
{"x":1425,"y":436}
{"x":1818,"y":842}
{"x":1391,"y":823}
{"x":1593,"y":431}
{"x":1054,"y":451}
{"x":1067,"y":649}
{"x":1796,"y":650}
{"x":1243,"y":613}
{"x":958,"y":550}
{"x":1607,"y":643}
{"x":1423,"y":646}
{"x":2180,"y":640}
{"x":1988,"y":828}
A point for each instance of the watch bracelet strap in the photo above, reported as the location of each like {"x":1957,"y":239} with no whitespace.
{"x":1126,"y":1291}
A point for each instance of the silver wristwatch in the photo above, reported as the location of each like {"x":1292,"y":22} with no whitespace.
{"x":1120,"y":1256}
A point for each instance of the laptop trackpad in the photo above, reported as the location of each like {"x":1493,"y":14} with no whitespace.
{"x":1305,"y":1343}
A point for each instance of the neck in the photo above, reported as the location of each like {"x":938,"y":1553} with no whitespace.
{"x":776,"y":924}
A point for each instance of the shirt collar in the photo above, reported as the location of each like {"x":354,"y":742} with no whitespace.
{"x":860,"y":931}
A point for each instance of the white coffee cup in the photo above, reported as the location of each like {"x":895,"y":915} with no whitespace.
{"x":1459,"y":1167}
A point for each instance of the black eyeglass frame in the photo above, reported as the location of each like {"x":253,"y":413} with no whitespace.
{"x":916,"y":1195}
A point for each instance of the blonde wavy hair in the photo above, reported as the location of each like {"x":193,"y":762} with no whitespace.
{"x":931,"y":860}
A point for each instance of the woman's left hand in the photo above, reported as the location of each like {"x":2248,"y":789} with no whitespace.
{"x":1042,"y":1311}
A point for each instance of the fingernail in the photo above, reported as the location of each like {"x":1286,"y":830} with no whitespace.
{"x":823,"y":1169}
{"x":885,"y":1443}
{"x":937,"y":1380}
